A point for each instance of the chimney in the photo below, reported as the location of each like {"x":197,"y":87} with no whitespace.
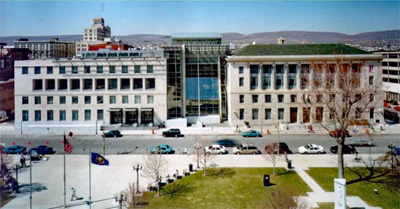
{"x":281,"y":40}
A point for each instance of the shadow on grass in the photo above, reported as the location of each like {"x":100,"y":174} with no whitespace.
{"x":221,"y":172}
{"x":285,"y":172}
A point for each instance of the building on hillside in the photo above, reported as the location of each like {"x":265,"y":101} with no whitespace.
{"x":104,"y":87}
{"x":265,"y":81}
{"x":391,"y":84}
{"x":47,"y":49}
{"x":196,"y":79}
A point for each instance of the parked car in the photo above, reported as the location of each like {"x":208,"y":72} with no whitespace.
{"x":162,"y":149}
{"x":361,"y":143}
{"x":246,"y":148}
{"x":311,"y":149}
{"x":16,"y":149}
{"x":283,"y":148}
{"x":227,"y":142}
{"x":216,"y":149}
{"x":338,"y":133}
{"x":174,"y":132}
{"x":346,"y":149}
{"x":42,"y":150}
{"x":113,"y":133}
{"x":251,"y":133}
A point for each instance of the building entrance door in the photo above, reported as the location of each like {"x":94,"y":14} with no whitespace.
{"x":115,"y":116}
{"x":293,"y":115}
{"x":131,"y":116}
{"x":147,"y":116}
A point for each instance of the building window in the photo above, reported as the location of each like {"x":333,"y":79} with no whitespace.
{"x":38,"y":116}
{"x":267,"y":76}
{"x":371,"y":97}
{"x":62,"y":99}
{"x":61,"y":70}
{"x":254,"y":114}
{"x":150,"y":83}
{"x":125,"y":83}
{"x":241,"y":69}
{"x":25,"y":115}
{"x":241,"y":114}
{"x":293,"y":98}
{"x":87,"y":69}
{"x":99,"y":99}
{"x":358,"y":113}
{"x":137,"y":99}
{"x":371,"y":80}
{"x":280,"y":98}
{"x":99,"y":69}
{"x":37,"y":100}
{"x":112,"y":84}
{"x":50,"y":84}
{"x":37,"y":84}
{"x":100,"y":84}
{"x":241,"y":81}
{"x":88,"y":84}
{"x":241,"y":98}
{"x":280,"y":71}
{"x":268,"y":114}
{"x":75,"y":100}
{"x":100,"y":114}
{"x":75,"y":115}
{"x":137,"y":68}
{"x":74,"y":69}
{"x":50,"y":115}
{"x":149,"y":68}
{"x":267,"y":98}
{"x":124,"y":69}
{"x":150,"y":99}
{"x":254,"y":98}
{"x":371,"y":113}
{"x":49,"y":70}
{"x":62,"y":84}
{"x":137,"y":83}
{"x":37,"y":70}
{"x":75,"y":84}
{"x":112,"y":69}
{"x":319,"y":113}
{"x":62,"y":115}
{"x":125,"y":100}
{"x":253,"y":76}
{"x":113,"y":100}
{"x":50,"y":100}
{"x":87,"y":115}
{"x":87,"y":99}
{"x":281,"y":113}
{"x":25,"y":100}
{"x":25,"y":70}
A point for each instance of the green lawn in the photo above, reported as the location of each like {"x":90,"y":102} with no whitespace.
{"x":365,"y":190}
{"x":244,"y":189}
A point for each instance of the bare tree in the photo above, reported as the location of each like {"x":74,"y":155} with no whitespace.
{"x":202,"y":156}
{"x":272,"y":154}
{"x":284,"y":198}
{"x":343,"y":91}
{"x":129,"y":196}
{"x":154,"y":165}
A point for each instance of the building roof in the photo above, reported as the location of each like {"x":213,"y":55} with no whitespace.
{"x":195,"y":35}
{"x":298,"y":49}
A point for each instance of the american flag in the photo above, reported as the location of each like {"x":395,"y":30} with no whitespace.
{"x":68,"y":148}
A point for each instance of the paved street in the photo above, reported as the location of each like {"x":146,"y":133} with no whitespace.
{"x":128,"y":144}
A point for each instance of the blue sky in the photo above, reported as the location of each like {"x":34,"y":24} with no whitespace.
{"x":31,"y":18}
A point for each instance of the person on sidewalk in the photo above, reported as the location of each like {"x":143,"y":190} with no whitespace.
{"x":73,"y":196}
{"x":22,"y":160}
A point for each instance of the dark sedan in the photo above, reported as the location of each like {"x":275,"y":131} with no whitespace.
{"x":43,"y":150}
{"x":114,"y":133}
{"x":346,"y":149}
{"x":16,"y":149}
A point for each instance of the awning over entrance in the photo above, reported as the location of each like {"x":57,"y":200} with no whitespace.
{"x":115,"y":109}
{"x":146,"y":109}
{"x":131,"y":109}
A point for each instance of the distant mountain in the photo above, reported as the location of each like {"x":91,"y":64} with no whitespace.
{"x":379,"y":38}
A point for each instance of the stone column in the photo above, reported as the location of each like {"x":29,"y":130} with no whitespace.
{"x":260,"y":77}
{"x":285,"y":76}
{"x":298,"y":77}
{"x":273,"y":76}
{"x":324,"y":78}
{"x":336,"y":74}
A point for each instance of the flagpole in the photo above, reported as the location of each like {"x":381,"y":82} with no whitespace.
{"x":90,"y":179}
{"x":65,"y":178}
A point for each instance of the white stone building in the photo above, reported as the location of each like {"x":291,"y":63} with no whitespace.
{"x":110,"y":87}
{"x":265,"y":86}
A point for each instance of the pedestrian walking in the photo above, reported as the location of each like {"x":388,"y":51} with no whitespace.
{"x":185,"y":151}
{"x":22,"y":161}
{"x":73,"y":196}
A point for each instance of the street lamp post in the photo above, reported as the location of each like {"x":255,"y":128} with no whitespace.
{"x":137,"y":167}
{"x":104,"y":140}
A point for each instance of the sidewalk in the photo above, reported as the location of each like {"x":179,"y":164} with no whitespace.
{"x":7,"y":128}
{"x":108,"y":181}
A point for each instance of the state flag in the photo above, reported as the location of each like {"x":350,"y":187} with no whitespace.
{"x":98,"y":159}
{"x":68,"y":148}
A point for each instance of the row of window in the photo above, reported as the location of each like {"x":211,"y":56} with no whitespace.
{"x":88,"y":100}
{"x":88,"y":69}
{"x":306,"y":98}
{"x":98,"y":84}
{"x":62,"y":115}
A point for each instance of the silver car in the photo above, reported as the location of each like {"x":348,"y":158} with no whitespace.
{"x":246,"y":148}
